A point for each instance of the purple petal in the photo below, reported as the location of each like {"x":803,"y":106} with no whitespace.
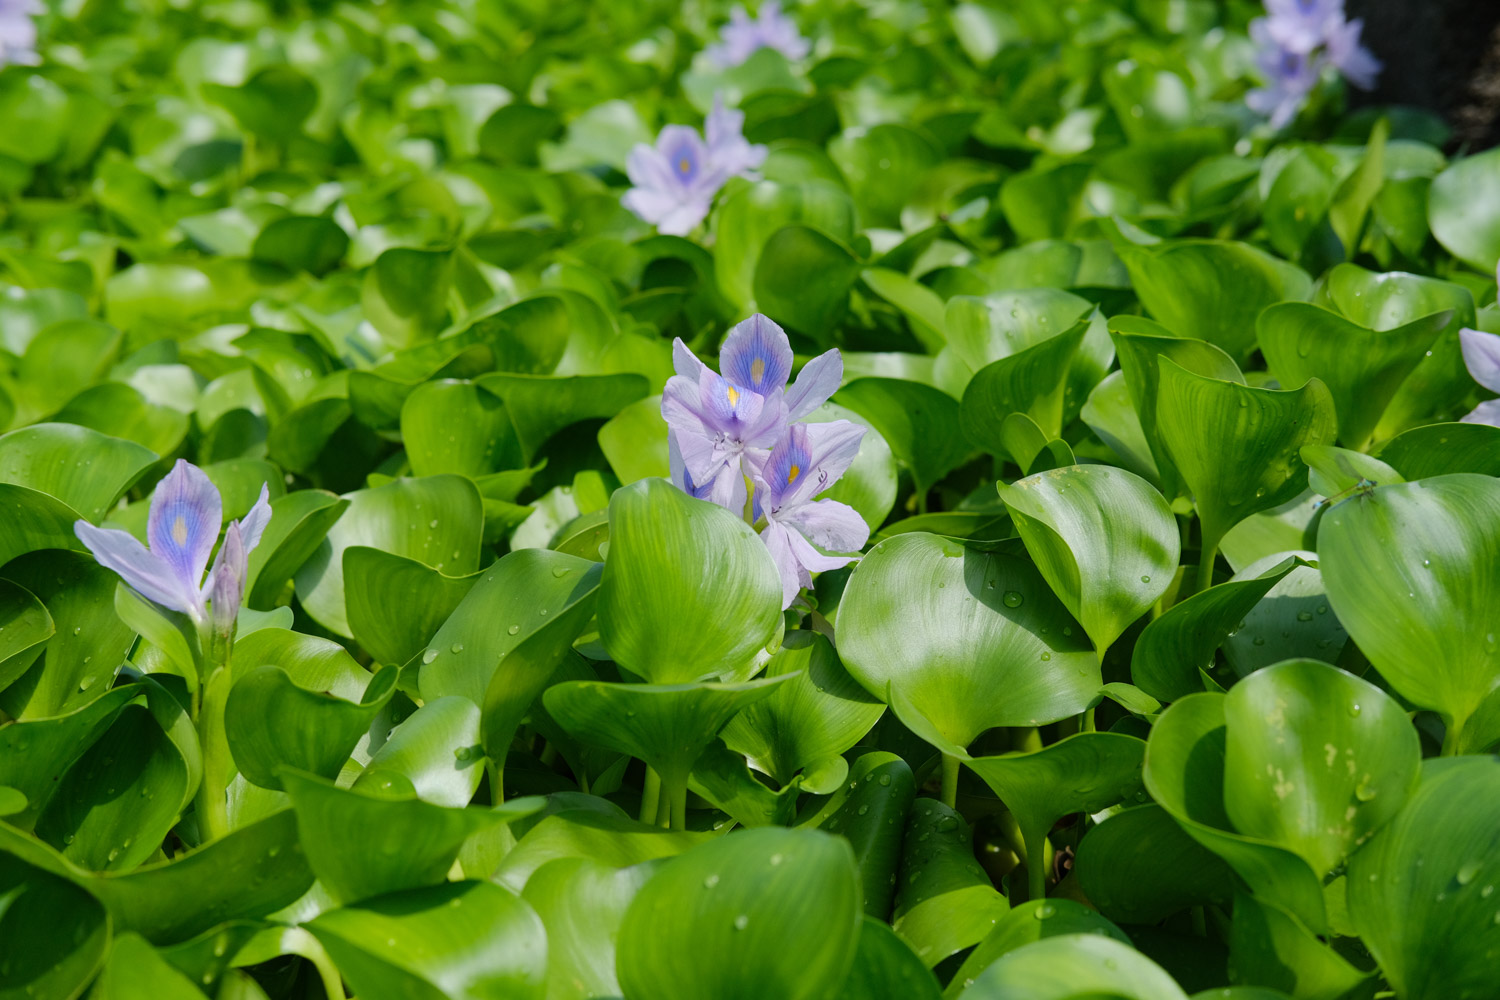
{"x":728,"y":489}
{"x":834,"y":446}
{"x":831,"y":525}
{"x":809,"y":558}
{"x":1482,"y":357}
{"x":144,"y":572}
{"x":793,"y":576}
{"x":757,"y":355}
{"x":790,"y":463}
{"x":253,"y":524}
{"x":702,"y":456}
{"x":228,"y":587}
{"x":184,"y":522}
{"x":681,"y":478}
{"x":1485,"y":413}
{"x":729,"y":407}
{"x":817,"y":380}
{"x":1358,"y":65}
{"x":686,"y":362}
{"x":684,"y":218}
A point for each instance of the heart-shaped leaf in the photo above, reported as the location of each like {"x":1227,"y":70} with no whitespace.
{"x":1104,"y":539}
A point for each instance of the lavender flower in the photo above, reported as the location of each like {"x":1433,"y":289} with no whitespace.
{"x":676,"y":180}
{"x":724,"y":425}
{"x":807,"y":460}
{"x":18,"y":31}
{"x":1482,"y":358}
{"x":743,"y":36}
{"x":183,"y":525}
{"x":1295,"y":42}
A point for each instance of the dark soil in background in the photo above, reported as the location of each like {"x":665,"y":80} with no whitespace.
{"x":1443,"y":55}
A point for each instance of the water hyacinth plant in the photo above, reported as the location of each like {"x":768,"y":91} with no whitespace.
{"x":876,"y":500}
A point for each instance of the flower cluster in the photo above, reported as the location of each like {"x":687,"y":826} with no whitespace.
{"x":18,"y":31}
{"x":1296,"y":41}
{"x":186,"y":513}
{"x":742,"y":428}
{"x":743,"y":36}
{"x":676,"y":180}
{"x":1482,"y":358}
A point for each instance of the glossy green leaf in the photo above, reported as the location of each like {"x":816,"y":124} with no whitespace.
{"x":404,"y":842}
{"x":1442,"y":449}
{"x":1464,"y":209}
{"x":1103,"y":538}
{"x":1292,"y":621}
{"x":766,"y":912}
{"x":1174,"y":647}
{"x":885,"y":968}
{"x":1075,"y":965}
{"x":301,"y":243}
{"x":394,"y":604}
{"x":920,"y":423}
{"x":432,"y":417}
{"x":1421,"y":891}
{"x":1140,"y":867}
{"x":607,"y":839}
{"x":873,"y":817}
{"x":435,"y":749}
{"x":944,"y":901}
{"x":1082,"y":773}
{"x":688,"y":591}
{"x":1236,"y":447}
{"x":1401,"y":558}
{"x":299,"y":522}
{"x":1213,"y":289}
{"x":271,"y":722}
{"x":542,"y":405}
{"x":56,"y":934}
{"x":26,"y":625}
{"x":435,"y":520}
{"x":1362,"y":368}
{"x":582,"y":904}
{"x":468,"y":939}
{"x":1030,"y":921}
{"x":137,"y":971}
{"x":820,"y":713}
{"x":1276,"y":950}
{"x":780,"y":291}
{"x":1031,"y":381}
{"x":968,"y":640}
{"x":750,"y":216}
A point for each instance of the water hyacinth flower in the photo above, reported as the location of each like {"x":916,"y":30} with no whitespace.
{"x":186,"y":513}
{"x":807,"y":460}
{"x":18,"y":31}
{"x":743,"y":36}
{"x":1295,"y":42}
{"x":674,"y":182}
{"x":723,"y":424}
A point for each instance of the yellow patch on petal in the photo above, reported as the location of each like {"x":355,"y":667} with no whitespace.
{"x":758,"y":370}
{"x":733,"y":394}
{"x":684,"y":165}
{"x":179,"y":530}
{"x":791,"y":477}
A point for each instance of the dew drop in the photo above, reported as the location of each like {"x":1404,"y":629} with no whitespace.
{"x":561,"y":572}
{"x":775,"y":860}
{"x":457,"y":647}
{"x":863,"y":810}
{"x":513,"y":629}
{"x":1012,"y":599}
{"x":1145,"y":579}
{"x":429,"y":656}
{"x":1046,"y":656}
{"x":710,"y":881}
{"x":1354,"y":708}
{"x":1044,"y":911}
{"x":1304,"y":616}
{"x":1467,"y":872}
{"x":741,"y":922}
{"x":885,"y":779}
{"x":432,"y":523}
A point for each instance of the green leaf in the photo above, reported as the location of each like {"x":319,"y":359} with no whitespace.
{"x":689,"y":590}
{"x":271,"y":722}
{"x":394,"y":604}
{"x":301,"y":243}
{"x":869,"y":484}
{"x":922,"y":306}
{"x":1185,"y":774}
{"x":1173,"y":648}
{"x":919,"y":423}
{"x":885,"y":968}
{"x":747,"y":218}
{"x":436,"y":520}
{"x":1362,"y":368}
{"x":1033,"y":920}
{"x":404,"y":843}
{"x":1421,"y":891}
{"x":983,"y":330}
{"x":542,"y":405}
{"x":299,"y":523}
{"x":1441,"y":449}
{"x":766,"y":912}
{"x":781,"y":291}
{"x":435,"y":749}
{"x":1071,"y":966}
{"x":1103,"y":538}
{"x":137,"y":971}
{"x":26,"y":625}
{"x":434,"y":413}
{"x":582,"y":904}
{"x":35,"y":754}
{"x":1141,"y":344}
{"x":462,"y":939}
{"x":1031,"y":382}
{"x":667,"y":726}
{"x":1319,"y":797}
{"x":114,"y":806}
{"x":1335,"y":471}
{"x":272,"y":104}
{"x":1292,"y":621}
{"x":884,"y":165}
{"x":34,"y":906}
{"x":1411,"y":572}
{"x":1213,"y":289}
{"x":1275,"y":949}
{"x":609,"y":840}
{"x":820,"y":713}
{"x":1140,"y":867}
{"x":967,"y":640}
{"x":1351,"y":202}
{"x":944,"y":901}
{"x":1237,"y":447}
{"x":1082,"y":773}
{"x":634,"y":441}
{"x":1463,"y":209}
